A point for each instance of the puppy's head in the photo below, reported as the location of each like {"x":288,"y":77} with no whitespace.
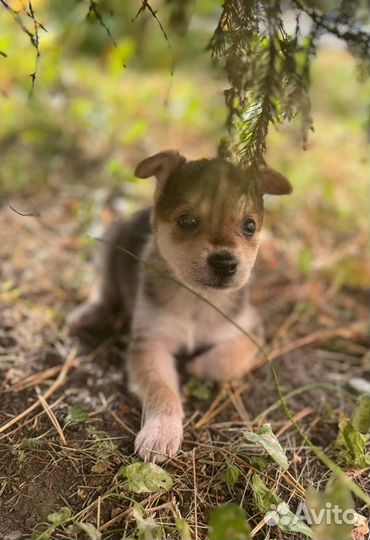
{"x":207,"y":217}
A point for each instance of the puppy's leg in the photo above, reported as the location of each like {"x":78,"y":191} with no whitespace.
{"x":228,"y":360}
{"x":153,"y":377}
{"x":98,"y":311}
{"x":95,"y":313}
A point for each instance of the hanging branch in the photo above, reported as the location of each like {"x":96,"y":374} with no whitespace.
{"x":145,"y":6}
{"x":94,"y":10}
{"x":269,"y":70}
{"x":33,"y":36}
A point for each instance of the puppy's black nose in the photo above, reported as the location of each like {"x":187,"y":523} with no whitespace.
{"x":223,"y":263}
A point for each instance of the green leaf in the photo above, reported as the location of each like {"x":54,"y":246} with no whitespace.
{"x":183,"y":529}
{"x":148,"y":529}
{"x":58,"y":518}
{"x":230,"y":475}
{"x":264,"y":498}
{"x":198,"y":389}
{"x":76,"y":415}
{"x":145,"y":478}
{"x":336,"y":495}
{"x":229,"y":522}
{"x":276,"y":512}
{"x":266,"y":438}
{"x":260,"y":462}
{"x":352,"y":444}
{"x":361,"y":414}
{"x":91,"y":531}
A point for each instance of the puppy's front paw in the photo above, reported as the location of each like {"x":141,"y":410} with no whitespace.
{"x":159,"y":439}
{"x":87,"y":316}
{"x":209,"y":367}
{"x":225,"y":362}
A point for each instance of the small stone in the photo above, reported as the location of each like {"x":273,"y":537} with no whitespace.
{"x":359,"y":385}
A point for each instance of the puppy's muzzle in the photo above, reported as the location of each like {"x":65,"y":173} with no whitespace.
{"x":223,"y":264}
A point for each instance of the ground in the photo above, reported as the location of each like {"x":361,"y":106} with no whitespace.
{"x":41,"y":473}
{"x":309,"y":284}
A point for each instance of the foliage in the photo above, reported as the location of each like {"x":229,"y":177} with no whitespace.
{"x":229,"y":521}
{"x":352,"y":445}
{"x":183,"y":529}
{"x":55,"y":519}
{"x":102,"y":446}
{"x":275,"y":510}
{"x":336,"y":494}
{"x":147,"y":528}
{"x":45,"y":531}
{"x":268,"y":64}
{"x":354,"y":434}
{"x":198,"y":389}
{"x":145,"y":478}
{"x":266,"y":438}
{"x":230,"y":475}
{"x":361,"y":414}
{"x":76,"y":415}
{"x":268,"y":67}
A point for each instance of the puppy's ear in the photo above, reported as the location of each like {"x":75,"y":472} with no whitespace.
{"x":273,"y":182}
{"x":160,"y":165}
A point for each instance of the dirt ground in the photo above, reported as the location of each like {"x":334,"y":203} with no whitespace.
{"x":317,"y":335}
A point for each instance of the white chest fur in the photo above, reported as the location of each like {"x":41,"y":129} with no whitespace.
{"x":189,"y":322}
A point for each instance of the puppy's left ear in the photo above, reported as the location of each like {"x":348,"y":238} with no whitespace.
{"x":273,"y":182}
{"x":160,"y":165}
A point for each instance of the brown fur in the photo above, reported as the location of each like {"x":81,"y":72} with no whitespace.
{"x":166,"y":318}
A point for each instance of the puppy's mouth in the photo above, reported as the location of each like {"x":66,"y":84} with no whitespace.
{"x":218,"y":283}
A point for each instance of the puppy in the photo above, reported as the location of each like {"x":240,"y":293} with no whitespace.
{"x":203,"y":231}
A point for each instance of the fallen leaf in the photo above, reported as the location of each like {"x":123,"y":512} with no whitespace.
{"x":145,"y":478}
{"x":276,"y":512}
{"x":266,"y":438}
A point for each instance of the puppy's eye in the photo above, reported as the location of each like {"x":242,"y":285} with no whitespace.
{"x":188,"y":222}
{"x":249,"y":227}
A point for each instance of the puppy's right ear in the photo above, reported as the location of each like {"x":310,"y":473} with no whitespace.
{"x":160,"y":165}
{"x":274,"y":183}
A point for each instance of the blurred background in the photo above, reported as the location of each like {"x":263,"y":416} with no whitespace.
{"x":112,"y":87}
{"x":109,"y":92}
